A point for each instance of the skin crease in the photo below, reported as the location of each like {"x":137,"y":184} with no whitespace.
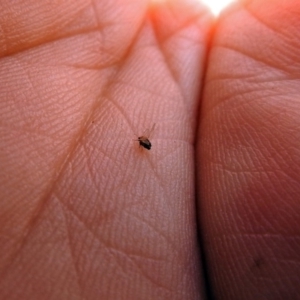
{"x":87,"y":214}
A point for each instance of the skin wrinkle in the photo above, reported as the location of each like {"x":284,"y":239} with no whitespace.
{"x":144,"y":273}
{"x":272,"y":149}
{"x":30,"y":81}
{"x":238,"y":77}
{"x":264,"y":242}
{"x":3,"y":39}
{"x":119,"y":260}
{"x":279,"y":31}
{"x":107,"y":247}
{"x":66,"y":38}
{"x":160,"y":45}
{"x":257,"y":79}
{"x":52,"y":39}
{"x":79,"y":33}
{"x":29,"y":132}
{"x":144,"y":257}
{"x":240,"y":101}
{"x":190,"y":22}
{"x":176,"y":32}
{"x":244,"y":53}
{"x":170,"y":153}
{"x":171,"y":71}
{"x":137,"y":267}
{"x":83,"y":208}
{"x":110,"y":249}
{"x":119,"y":108}
{"x":159,"y":181}
{"x":156,"y":230}
{"x":15,"y":258}
{"x":140,"y":88}
{"x":235,"y":213}
{"x":162,"y":40}
{"x":232,"y":97}
{"x":90,"y":168}
{"x":127,"y":52}
{"x":98,"y":22}
{"x":286,"y":66}
{"x":263,"y":23}
{"x":255,"y":211}
{"x":39,"y":130}
{"x":250,"y":121}
{"x":72,"y":254}
{"x":283,"y":174}
{"x":48,"y":192}
{"x":184,"y":141}
{"x":105,"y":244}
{"x":268,"y":176}
{"x":274,"y":235}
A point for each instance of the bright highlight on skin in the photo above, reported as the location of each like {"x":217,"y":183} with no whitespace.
{"x":216,"y":5}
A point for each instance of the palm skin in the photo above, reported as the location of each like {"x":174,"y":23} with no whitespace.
{"x":87,"y":214}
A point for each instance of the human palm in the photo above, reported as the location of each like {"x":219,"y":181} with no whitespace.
{"x":211,"y":210}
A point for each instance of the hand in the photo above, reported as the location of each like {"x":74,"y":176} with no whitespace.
{"x":87,"y":214}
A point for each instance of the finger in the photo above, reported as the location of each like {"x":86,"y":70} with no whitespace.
{"x":55,"y":61}
{"x":248,"y":150}
{"x":96,"y":217}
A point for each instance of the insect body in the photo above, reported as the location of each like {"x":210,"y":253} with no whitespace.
{"x":144,"y":142}
{"x":144,"y":139}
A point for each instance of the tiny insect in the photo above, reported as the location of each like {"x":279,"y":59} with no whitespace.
{"x":144,"y":139}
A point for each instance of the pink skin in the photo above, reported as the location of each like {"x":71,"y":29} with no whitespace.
{"x":85,"y":214}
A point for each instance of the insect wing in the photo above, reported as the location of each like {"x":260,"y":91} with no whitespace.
{"x":148,"y":132}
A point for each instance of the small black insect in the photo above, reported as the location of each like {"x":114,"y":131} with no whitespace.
{"x":144,"y":142}
{"x":144,"y":139}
